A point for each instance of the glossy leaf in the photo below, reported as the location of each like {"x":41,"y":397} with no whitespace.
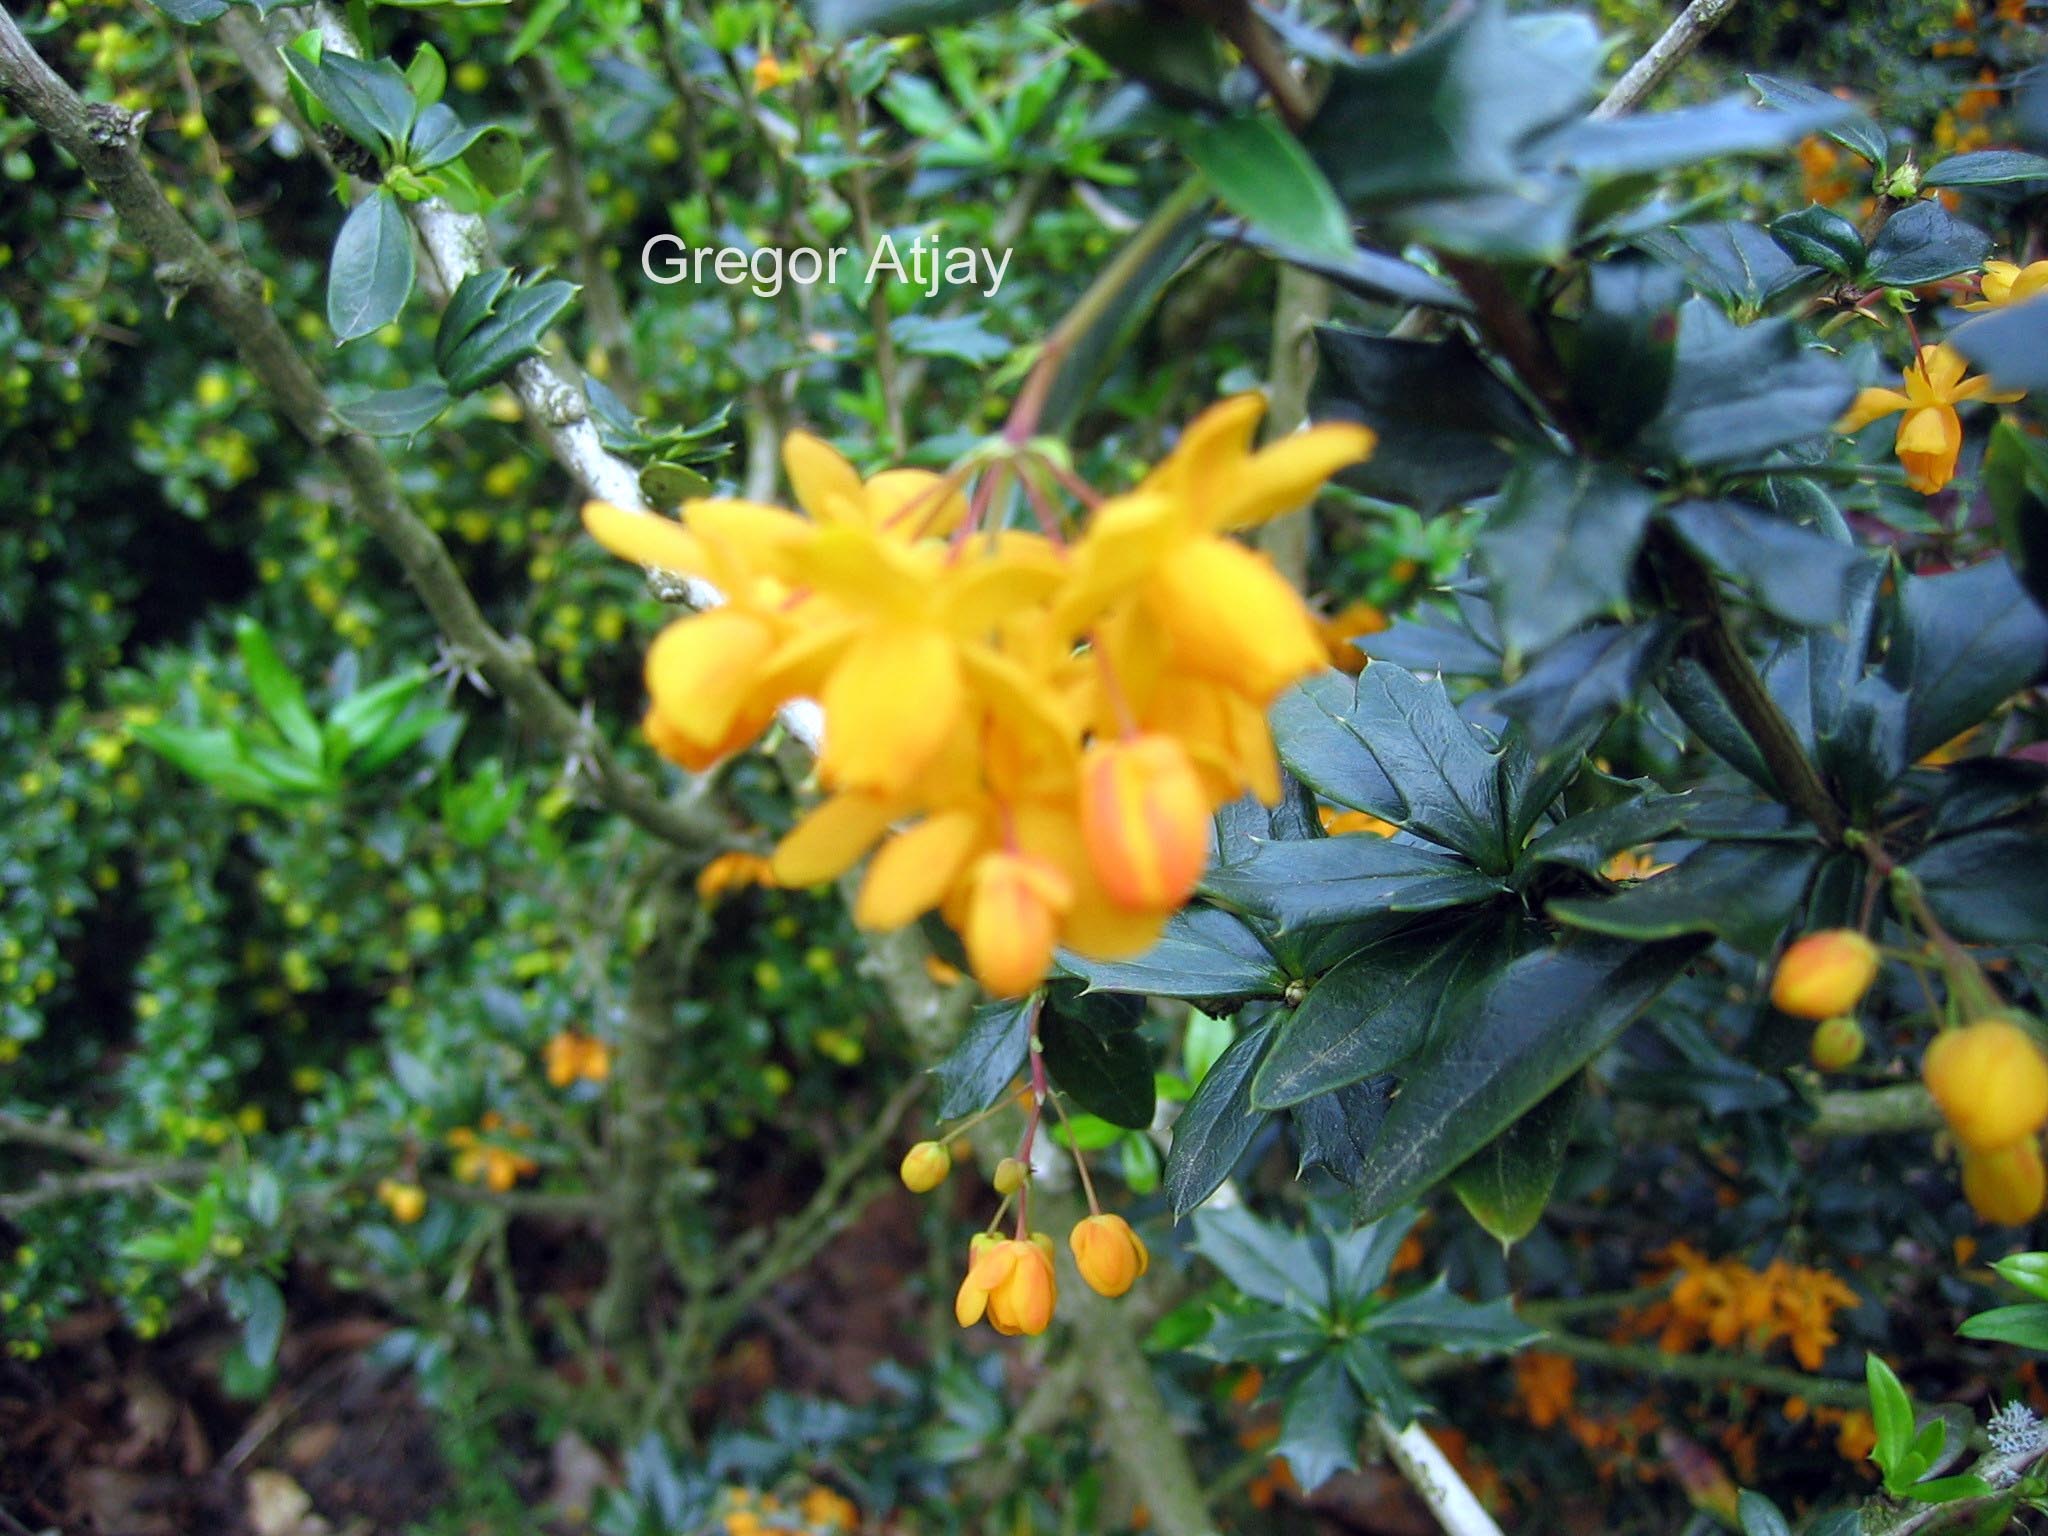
{"x":1986,"y":168}
{"x":1320,"y":1423}
{"x":1204,"y":953}
{"x":1108,"y":1072}
{"x":1745,"y":893}
{"x":1217,"y":1124}
{"x":370,"y":275}
{"x":1583,"y":679}
{"x":396,"y":412}
{"x":1337,"y":879}
{"x":991,"y":1051}
{"x":1559,"y":545}
{"x":1718,"y":412}
{"x":1507,"y":1183}
{"x":1964,"y":643}
{"x":1336,"y":1131}
{"x":1922,"y":243}
{"x":1989,"y":887}
{"x":1798,"y":575}
{"x":1262,"y":174}
{"x":1265,"y":1261}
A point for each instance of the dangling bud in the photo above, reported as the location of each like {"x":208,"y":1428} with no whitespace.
{"x":1108,"y":1253}
{"x":1010,"y":1176}
{"x":1013,"y":914}
{"x":1837,"y":1043}
{"x":925,"y":1167}
{"x":1990,"y":1081}
{"x":406,"y":1202}
{"x":1145,"y":821}
{"x":1824,"y":974}
{"x":2007,"y":1185}
{"x":1012,"y":1284}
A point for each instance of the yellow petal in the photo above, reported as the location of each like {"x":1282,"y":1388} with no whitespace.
{"x":660,"y":543}
{"x":1213,"y":442}
{"x":1287,"y":474}
{"x":914,"y":869}
{"x":889,"y":706}
{"x":1928,"y":442}
{"x":867,"y":573}
{"x":912,"y":504}
{"x":1234,"y":618}
{"x":831,"y":839}
{"x":701,"y":673}
{"x":826,"y":485}
{"x":1868,"y":406}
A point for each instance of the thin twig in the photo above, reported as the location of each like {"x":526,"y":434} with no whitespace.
{"x":1655,"y":66}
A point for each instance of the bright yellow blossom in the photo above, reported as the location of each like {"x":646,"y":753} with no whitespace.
{"x":1011,"y":1282}
{"x":1990,"y":1081}
{"x":406,"y":1202}
{"x":2007,"y":282}
{"x":1824,"y":974}
{"x":1109,"y":1255}
{"x":1930,"y":432}
{"x":573,"y":1057}
{"x":2006,"y":1185}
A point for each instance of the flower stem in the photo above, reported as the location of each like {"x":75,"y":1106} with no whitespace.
{"x":1080,"y":1162}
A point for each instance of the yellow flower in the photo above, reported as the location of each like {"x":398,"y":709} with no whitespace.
{"x":2007,"y":282}
{"x":2006,"y":1185}
{"x":925,"y":1167}
{"x":1990,"y":1081}
{"x":1013,"y":914}
{"x":1930,"y":432}
{"x":1343,"y":629}
{"x":768,"y":71}
{"x":573,"y":1057}
{"x":1341,"y":823}
{"x":1109,"y":1255}
{"x":406,"y":1202}
{"x":1011,"y":1282}
{"x":1145,"y":821}
{"x":1824,"y":974}
{"x":731,"y":871}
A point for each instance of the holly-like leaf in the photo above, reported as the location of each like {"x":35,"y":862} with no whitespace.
{"x":1508,"y":1181}
{"x":1321,"y":1422}
{"x":1745,"y":893}
{"x":1621,"y":356}
{"x":2010,"y":344}
{"x":1655,"y":141}
{"x":1265,"y":1261}
{"x":1525,"y":1028}
{"x":1366,"y":1017}
{"x":1820,"y":237}
{"x":1739,"y":392}
{"x":1440,"y":414}
{"x":1986,"y":168}
{"x":1580,"y":681}
{"x":1444,"y":773}
{"x":1989,"y":887}
{"x":1734,"y":262}
{"x":1965,"y":641}
{"x":1435,"y":1318}
{"x":511,"y":332}
{"x":1799,"y":575}
{"x":991,"y":1051}
{"x":1336,"y":1131}
{"x":1108,"y":1072}
{"x":1338,"y":879}
{"x":1923,"y":243}
{"x":370,"y":275}
{"x":1204,"y":954}
{"x":1587,"y":841}
{"x":1559,"y":545}
{"x":1313,"y":730}
{"x":1217,"y":1124}
{"x":837,"y":20}
{"x":1855,"y":131}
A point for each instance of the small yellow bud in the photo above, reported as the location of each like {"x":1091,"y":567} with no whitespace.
{"x":1109,"y":1254}
{"x":1837,"y":1043}
{"x":1824,"y":974}
{"x":925,"y":1167}
{"x":1010,"y":1176}
{"x":1990,"y":1082}
{"x":2007,"y":1185}
{"x":406,"y":1202}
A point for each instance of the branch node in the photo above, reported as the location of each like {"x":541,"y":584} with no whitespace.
{"x":112,"y":127}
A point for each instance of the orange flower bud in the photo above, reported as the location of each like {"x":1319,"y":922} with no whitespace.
{"x":925,"y":1167}
{"x":1145,"y":821}
{"x":1013,"y":914}
{"x":1010,"y":1176}
{"x":1108,"y":1253}
{"x":1012,"y":1284}
{"x":1824,"y":974}
{"x":2006,"y":1185}
{"x":1990,"y":1082}
{"x":1837,"y":1043}
{"x":406,"y":1202}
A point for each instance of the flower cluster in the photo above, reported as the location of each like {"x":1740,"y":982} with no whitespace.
{"x":1726,"y":1303}
{"x":1046,"y":724}
{"x":573,"y":1057}
{"x":490,"y":1162}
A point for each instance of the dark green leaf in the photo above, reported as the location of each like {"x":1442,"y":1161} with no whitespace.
{"x":1922,"y":243}
{"x":1437,"y":1319}
{"x":2016,"y":481}
{"x":1739,"y":392}
{"x":991,"y":1051}
{"x":1559,"y":545}
{"x":1692,"y":694}
{"x":512,"y":332}
{"x":1366,"y":1017}
{"x":1108,"y":1072}
{"x":1441,"y":416}
{"x":1444,"y":773}
{"x":1336,"y":879}
{"x":1312,"y":727}
{"x":1855,"y":131}
{"x":439,"y":136}
{"x":1184,"y":66}
{"x":1584,"y":678}
{"x":1989,"y":887}
{"x":1379,"y":1380}
{"x":1262,"y":173}
{"x":1801,"y":576}
{"x":1369,"y":274}
{"x":1205,"y":953}
{"x":495,"y":159}
{"x":1759,"y":1516}
{"x":370,"y":99}
{"x":1361,"y":1258}
{"x":191,"y":12}
{"x":1268,"y":1336}
{"x":1656,"y":141}
{"x":1508,"y":1182}
{"x":1965,"y":642}
{"x":2010,"y":344}
{"x":1588,"y":840}
{"x":1745,"y":893}
{"x":1336,"y":1131}
{"x":1217,"y":1124}
{"x":957,"y":336}
{"x":1265,"y":1261}
{"x":1621,"y":357}
{"x":371,"y":273}
{"x":1449,"y":116}
{"x":1734,"y":262}
{"x":1985,"y":168}
{"x":1822,"y":238}
{"x":670,"y":485}
{"x":1321,"y":1423}
{"x":1529,"y":1026}
{"x":468,"y":307}
{"x":396,"y":412}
